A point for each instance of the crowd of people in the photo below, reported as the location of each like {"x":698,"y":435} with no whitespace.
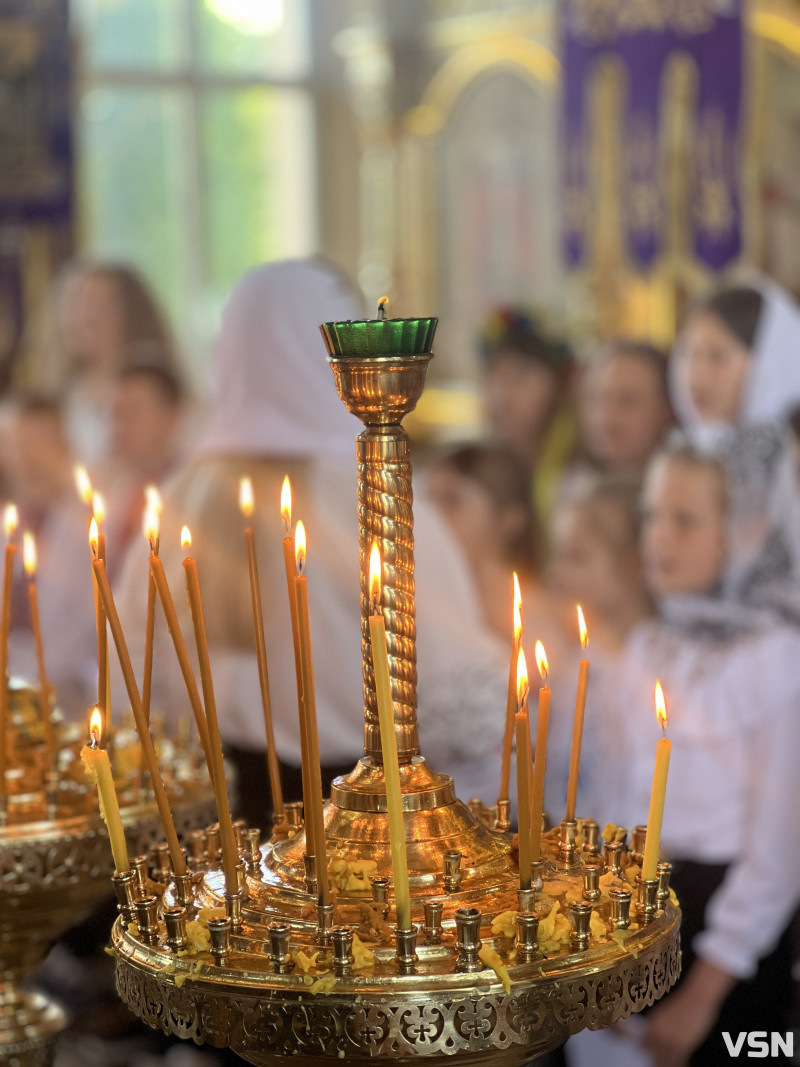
{"x":660,"y":491}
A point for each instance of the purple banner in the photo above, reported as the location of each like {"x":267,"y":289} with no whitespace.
{"x":643,"y":36}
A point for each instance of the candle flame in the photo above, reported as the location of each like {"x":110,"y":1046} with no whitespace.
{"x":582,"y":627}
{"x":300,"y":546}
{"x":29,"y":554}
{"x":517,"y":609}
{"x":151,"y":525}
{"x":186,"y":538}
{"x":522,"y":678}
{"x":375,"y":567}
{"x":96,"y":725}
{"x":98,"y":508}
{"x":83,"y":484}
{"x":246,"y":499}
{"x":286,"y":504}
{"x":661,"y":707}
{"x":153,"y":499}
{"x":541,"y":660}
{"x":10,"y":520}
{"x":93,"y":537}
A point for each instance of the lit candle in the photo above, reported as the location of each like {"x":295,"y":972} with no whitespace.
{"x":230,"y":853}
{"x":523,"y":728}
{"x":247,"y":504}
{"x":540,"y":757}
{"x":11,"y":521}
{"x":29,"y":566}
{"x":659,"y":791}
{"x":152,"y":513}
{"x":99,"y":552}
{"x":391,"y":765}
{"x":383,"y":304}
{"x":312,"y":787}
{"x":98,"y":768}
{"x":511,"y":698}
{"x":577,"y":726}
{"x":146,"y":741}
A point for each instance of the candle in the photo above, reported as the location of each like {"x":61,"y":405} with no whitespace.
{"x":523,"y":729}
{"x":659,"y":791}
{"x":312,"y":786}
{"x":11,"y":520}
{"x":511,"y":699}
{"x":29,"y":566}
{"x":577,"y":726}
{"x":540,"y":758}
{"x":99,"y":552}
{"x":230,"y":853}
{"x":152,"y":513}
{"x":146,"y":741}
{"x":98,"y":768}
{"x":391,"y":765}
{"x":246,"y":505}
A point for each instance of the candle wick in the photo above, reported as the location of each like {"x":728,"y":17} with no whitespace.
{"x":93,"y":744}
{"x":375,"y":606}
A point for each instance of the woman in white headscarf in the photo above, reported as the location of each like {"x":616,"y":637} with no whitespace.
{"x":735,"y":379}
{"x":275,"y":411}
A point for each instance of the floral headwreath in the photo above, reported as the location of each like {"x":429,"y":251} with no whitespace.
{"x":514,"y":327}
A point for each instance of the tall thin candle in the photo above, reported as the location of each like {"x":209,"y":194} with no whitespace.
{"x":659,"y":790}
{"x":391,"y":766}
{"x":511,"y":699}
{"x":29,"y":566}
{"x":11,"y":520}
{"x":577,"y":726}
{"x":152,"y":513}
{"x":523,"y":729}
{"x":247,"y":505}
{"x":540,"y":756}
{"x":230,"y":853}
{"x":98,"y":515}
{"x":95,"y":760}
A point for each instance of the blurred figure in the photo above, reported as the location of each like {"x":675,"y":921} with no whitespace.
{"x":624,"y":406}
{"x":104,"y":318}
{"x":275,"y":411}
{"x":39,"y":476}
{"x":526,"y":380}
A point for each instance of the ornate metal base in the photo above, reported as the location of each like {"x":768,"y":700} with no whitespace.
{"x":29,"y":1025}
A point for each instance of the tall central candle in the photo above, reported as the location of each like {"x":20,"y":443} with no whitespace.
{"x":523,"y":730}
{"x":312,"y":793}
{"x":511,"y":698}
{"x":247,"y":506}
{"x":29,"y":566}
{"x":577,"y":726}
{"x":95,"y":760}
{"x":659,"y":791}
{"x":11,"y":521}
{"x":391,"y":765}
{"x":152,"y":514}
{"x":540,"y":756}
{"x":99,"y":514}
{"x":230,"y":853}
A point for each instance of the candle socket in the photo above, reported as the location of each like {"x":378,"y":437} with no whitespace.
{"x":526,"y":898}
{"x":241,"y":880}
{"x":252,"y":838}
{"x":580,"y":914}
{"x":233,"y":909}
{"x":503,"y":818}
{"x":612,"y":853}
{"x":646,"y":897}
{"x":197,"y":849}
{"x":405,"y":949}
{"x":280,"y":957}
{"x":638,"y":840}
{"x":125,"y":885}
{"x":176,"y":938}
{"x":139,"y":868}
{"x":591,"y":838}
{"x":219,"y":930}
{"x":432,"y":911}
{"x":160,"y":863}
{"x":294,"y":815}
{"x":568,"y":857}
{"x":527,"y":934}
{"x":147,"y":919}
{"x":620,"y":908}
{"x":591,"y":881}
{"x":239,"y":827}
{"x":280,"y":826}
{"x":213,"y":845}
{"x":468,"y":941}
{"x":183,"y":890}
{"x":324,"y":924}
{"x":310,"y":879}
{"x":380,"y":889}
{"x":662,"y":896}
{"x":342,"y":938}
{"x":451,"y":878}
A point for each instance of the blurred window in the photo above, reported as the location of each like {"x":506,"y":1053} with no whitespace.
{"x":196,"y":143}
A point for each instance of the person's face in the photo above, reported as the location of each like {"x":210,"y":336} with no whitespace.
{"x":683,"y":538}
{"x":469,"y":511}
{"x":716,"y":367}
{"x":623,"y":412}
{"x":92,"y":321}
{"x":586,"y":569}
{"x":519,"y":397}
{"x":142,"y":426}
